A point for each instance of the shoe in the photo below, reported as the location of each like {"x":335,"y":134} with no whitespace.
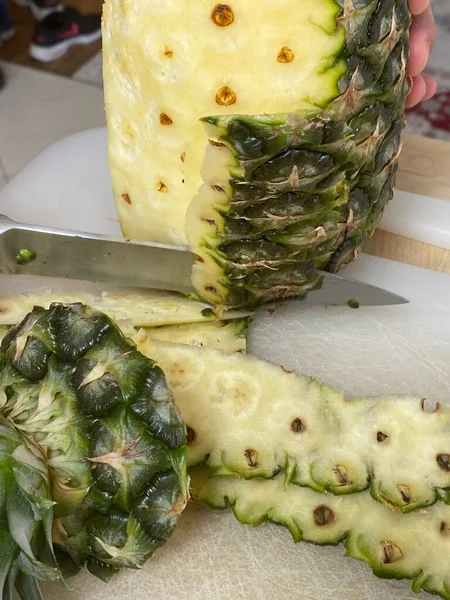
{"x":7,"y":34}
{"x":56,"y":34}
{"x":40,"y":9}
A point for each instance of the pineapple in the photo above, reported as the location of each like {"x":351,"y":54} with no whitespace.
{"x":228,"y":336}
{"x":142,"y":308}
{"x":263,"y":135}
{"x":249,"y":418}
{"x":393,"y":545}
{"x":92,"y":451}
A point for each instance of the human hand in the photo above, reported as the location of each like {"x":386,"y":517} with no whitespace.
{"x":423,"y":37}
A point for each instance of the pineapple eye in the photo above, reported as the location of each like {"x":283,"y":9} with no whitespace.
{"x":165,"y":119}
{"x":168,"y":53}
{"x":341,"y":475}
{"x":285,"y":55}
{"x":391,"y":552}
{"x":443,"y":460}
{"x":126,"y":198}
{"x":161,"y":187}
{"x":298,"y":426}
{"x":323,"y":515}
{"x":225,"y":96}
{"x":222,"y":15}
{"x":251,"y":457}
{"x":405,"y":493}
{"x":190,"y":435}
{"x":444,"y":528}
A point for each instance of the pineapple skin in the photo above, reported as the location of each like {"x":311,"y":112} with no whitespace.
{"x":393,"y":545}
{"x":303,"y":124}
{"x":91,"y":443}
{"x":250,"y":418}
{"x":285,"y":195}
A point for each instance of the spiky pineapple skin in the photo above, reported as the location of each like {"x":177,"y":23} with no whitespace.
{"x":293,"y":193}
{"x":304,"y":110}
{"x":393,"y":545}
{"x":101,"y":419}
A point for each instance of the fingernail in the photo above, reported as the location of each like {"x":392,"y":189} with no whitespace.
{"x":410,"y":82}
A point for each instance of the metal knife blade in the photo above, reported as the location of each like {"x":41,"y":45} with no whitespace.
{"x":89,"y":257}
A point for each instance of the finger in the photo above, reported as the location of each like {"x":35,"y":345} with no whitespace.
{"x":422,"y":40}
{"x":417,"y":93}
{"x":431,"y":85}
{"x":417,"y":7}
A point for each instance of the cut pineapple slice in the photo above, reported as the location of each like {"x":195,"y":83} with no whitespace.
{"x":393,"y":545}
{"x":144,"y":308}
{"x":251,"y":418}
{"x":229,"y":336}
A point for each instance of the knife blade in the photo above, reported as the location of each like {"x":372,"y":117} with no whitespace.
{"x":41,"y":251}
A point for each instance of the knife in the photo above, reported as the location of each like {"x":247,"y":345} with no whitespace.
{"x":41,"y":251}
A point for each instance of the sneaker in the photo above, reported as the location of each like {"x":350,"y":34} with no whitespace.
{"x":40,"y":9}
{"x":7,"y":34}
{"x":56,"y":34}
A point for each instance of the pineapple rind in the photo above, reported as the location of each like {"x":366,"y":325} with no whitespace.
{"x":253,"y":419}
{"x":304,"y":191}
{"x":392,"y":544}
{"x":102,"y":420}
{"x":143,"y":308}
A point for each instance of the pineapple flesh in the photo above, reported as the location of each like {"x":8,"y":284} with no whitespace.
{"x":250,"y":418}
{"x":227,"y":336}
{"x":92,"y":450}
{"x":393,"y":545}
{"x":265,"y":136}
{"x":140,"y":308}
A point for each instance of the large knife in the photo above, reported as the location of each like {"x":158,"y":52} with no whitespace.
{"x":34,"y":250}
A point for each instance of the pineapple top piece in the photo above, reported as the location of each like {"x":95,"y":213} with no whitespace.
{"x":92,"y":453}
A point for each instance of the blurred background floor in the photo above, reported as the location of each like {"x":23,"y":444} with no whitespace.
{"x":16,"y":50}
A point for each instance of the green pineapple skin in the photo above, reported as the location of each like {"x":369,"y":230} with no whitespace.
{"x":304,"y":192}
{"x":100,"y":422}
{"x":393,"y":545}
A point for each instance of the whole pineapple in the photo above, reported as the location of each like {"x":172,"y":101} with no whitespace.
{"x":263,"y":134}
{"x":92,"y":455}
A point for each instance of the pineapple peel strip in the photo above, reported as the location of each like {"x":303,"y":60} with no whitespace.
{"x":143,"y":308}
{"x":393,"y":545}
{"x":251,"y":418}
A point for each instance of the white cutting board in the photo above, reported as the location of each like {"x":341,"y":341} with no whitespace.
{"x":383,"y":350}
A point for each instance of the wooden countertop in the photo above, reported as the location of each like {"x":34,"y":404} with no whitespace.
{"x":424,"y":169}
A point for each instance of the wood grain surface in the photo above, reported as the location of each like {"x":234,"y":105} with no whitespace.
{"x":424,"y":169}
